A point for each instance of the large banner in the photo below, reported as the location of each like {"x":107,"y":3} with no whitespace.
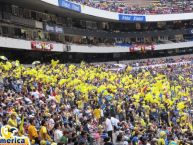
{"x":69,"y":5}
{"x":142,"y":48}
{"x":132,"y":18}
{"x":41,"y":46}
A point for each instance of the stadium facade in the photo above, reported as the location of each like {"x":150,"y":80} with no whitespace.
{"x":69,"y":31}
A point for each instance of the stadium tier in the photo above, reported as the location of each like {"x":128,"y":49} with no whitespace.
{"x":62,"y":26}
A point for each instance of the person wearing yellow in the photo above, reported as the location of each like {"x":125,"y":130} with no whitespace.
{"x":13,"y":120}
{"x":32,"y":132}
{"x":43,"y":134}
{"x":161,"y":140}
{"x":97,"y":113}
{"x":80,"y":104}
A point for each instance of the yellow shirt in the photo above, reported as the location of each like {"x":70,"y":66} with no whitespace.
{"x":12,"y":122}
{"x":80,"y":104}
{"x":161,"y":141}
{"x":44,"y":134}
{"x":119,"y":109}
{"x":32,"y":132}
{"x":147,"y":109}
{"x":97,"y":113}
{"x":58,"y":98}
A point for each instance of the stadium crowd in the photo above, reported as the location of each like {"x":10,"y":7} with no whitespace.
{"x":87,"y":104}
{"x":163,"y":7}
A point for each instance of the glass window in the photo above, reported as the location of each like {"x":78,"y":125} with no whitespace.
{"x":17,"y":32}
{"x":33,"y":15}
{"x":47,"y":36}
{"x":11,"y":32}
{"x":59,"y":20}
{"x":26,"y":13}
{"x":15,"y":10}
{"x":21,"y":12}
{"x":52,"y":37}
{"x":7,"y":8}
{"x":28,"y":34}
{"x":4,"y":30}
{"x":39,"y":16}
{"x":35,"y":35}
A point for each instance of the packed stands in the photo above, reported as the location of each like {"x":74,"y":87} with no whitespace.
{"x":142,"y":6}
{"x":88,"y":104}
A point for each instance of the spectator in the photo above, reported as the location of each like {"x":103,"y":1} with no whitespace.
{"x":32,"y":132}
{"x":109,"y":127}
{"x":13,"y":120}
{"x":43,"y":134}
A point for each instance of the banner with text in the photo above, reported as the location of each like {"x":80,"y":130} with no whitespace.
{"x":41,"y":46}
{"x":69,"y":5}
{"x":132,"y":18}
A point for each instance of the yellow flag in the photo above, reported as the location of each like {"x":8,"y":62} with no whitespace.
{"x":21,"y":129}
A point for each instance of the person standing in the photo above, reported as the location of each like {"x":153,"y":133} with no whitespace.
{"x":57,"y":133}
{"x":97,"y":113}
{"x":32,"y":132}
{"x":109,"y":127}
{"x":164,"y":116}
{"x":51,"y":123}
